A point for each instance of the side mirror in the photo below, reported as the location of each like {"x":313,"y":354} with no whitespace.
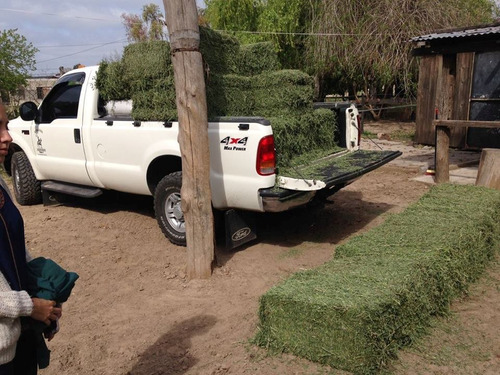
{"x":28,"y":111}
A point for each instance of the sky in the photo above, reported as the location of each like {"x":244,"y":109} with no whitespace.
{"x":67,"y":33}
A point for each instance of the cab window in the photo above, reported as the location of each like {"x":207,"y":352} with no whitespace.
{"x":63,"y":99}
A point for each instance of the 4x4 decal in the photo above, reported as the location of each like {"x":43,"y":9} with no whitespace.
{"x":234,"y":144}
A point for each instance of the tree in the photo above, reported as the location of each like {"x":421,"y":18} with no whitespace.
{"x":148,"y":26}
{"x":365,"y":44}
{"x":17,"y":60}
{"x":361,"y":46}
{"x":287,"y":24}
{"x":280,"y":21}
{"x":238,"y":16}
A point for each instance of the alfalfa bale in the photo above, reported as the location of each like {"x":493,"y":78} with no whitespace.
{"x":110,"y":82}
{"x":157,"y":103}
{"x":146,"y":64}
{"x":304,"y":136}
{"x":382,"y":288}
{"x":220,"y":52}
{"x":229,"y":95}
{"x":257,"y":58}
{"x":283,"y":92}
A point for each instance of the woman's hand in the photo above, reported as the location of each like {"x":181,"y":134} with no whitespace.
{"x":45,"y":310}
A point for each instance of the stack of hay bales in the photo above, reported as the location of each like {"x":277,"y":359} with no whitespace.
{"x":381,"y":289}
{"x":240,"y":81}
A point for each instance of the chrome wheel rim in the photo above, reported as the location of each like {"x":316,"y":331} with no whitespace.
{"x":173,"y":212}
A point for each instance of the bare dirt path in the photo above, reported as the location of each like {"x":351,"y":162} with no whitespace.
{"x":134,"y":312}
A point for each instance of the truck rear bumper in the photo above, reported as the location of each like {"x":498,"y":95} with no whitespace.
{"x":335,"y":176}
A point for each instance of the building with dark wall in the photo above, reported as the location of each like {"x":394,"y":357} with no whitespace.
{"x":459,"y":79}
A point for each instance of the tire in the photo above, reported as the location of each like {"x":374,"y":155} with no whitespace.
{"x":168,"y":212}
{"x":27,"y":189}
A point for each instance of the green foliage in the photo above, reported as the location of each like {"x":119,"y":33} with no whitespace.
{"x":146,"y":27}
{"x":289,"y":17}
{"x":360,"y":46}
{"x":234,"y":16}
{"x":272,"y":20}
{"x":367,"y":42}
{"x":382,"y":288}
{"x":17,"y":59}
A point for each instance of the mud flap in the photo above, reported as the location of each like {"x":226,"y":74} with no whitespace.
{"x":49,"y":198}
{"x":239,"y":228}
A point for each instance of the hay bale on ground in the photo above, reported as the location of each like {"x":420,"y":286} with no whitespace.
{"x":381,"y":289}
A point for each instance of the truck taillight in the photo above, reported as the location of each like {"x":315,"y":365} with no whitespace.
{"x":266,"y":156}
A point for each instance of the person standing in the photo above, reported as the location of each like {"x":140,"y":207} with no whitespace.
{"x":17,"y":345}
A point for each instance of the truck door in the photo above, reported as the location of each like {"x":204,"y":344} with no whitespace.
{"x":57,"y":134}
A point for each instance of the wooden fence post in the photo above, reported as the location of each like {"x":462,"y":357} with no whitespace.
{"x":184,"y":33}
{"x":442,"y":154}
{"x":489,"y":168}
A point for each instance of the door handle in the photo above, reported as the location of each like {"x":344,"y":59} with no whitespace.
{"x":76,"y":133}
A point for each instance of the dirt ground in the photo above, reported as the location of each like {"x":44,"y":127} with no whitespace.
{"x":134,"y":312}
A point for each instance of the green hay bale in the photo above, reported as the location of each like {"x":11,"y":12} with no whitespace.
{"x":110,"y":83}
{"x":157,"y":104}
{"x":229,"y":95}
{"x":220,"y":51}
{"x":257,"y":58}
{"x":304,"y":137}
{"x":146,"y":64}
{"x":381,"y":289}
{"x":282,"y":93}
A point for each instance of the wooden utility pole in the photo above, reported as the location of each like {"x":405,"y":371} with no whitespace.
{"x":184,"y":33}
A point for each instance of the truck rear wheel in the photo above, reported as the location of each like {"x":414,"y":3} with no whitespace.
{"x":27,"y":189}
{"x":168,"y":211}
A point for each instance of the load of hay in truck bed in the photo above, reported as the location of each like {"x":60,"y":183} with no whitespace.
{"x":241,"y":80}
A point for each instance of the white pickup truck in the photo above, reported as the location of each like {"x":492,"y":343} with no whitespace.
{"x":71,"y":144}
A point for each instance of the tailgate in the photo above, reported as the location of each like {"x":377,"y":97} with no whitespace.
{"x":297,"y":186}
{"x":334,"y":170}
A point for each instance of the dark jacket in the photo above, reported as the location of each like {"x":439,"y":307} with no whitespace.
{"x":49,"y":281}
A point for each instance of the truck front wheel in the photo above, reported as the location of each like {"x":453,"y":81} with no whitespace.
{"x":168,"y":211}
{"x":27,"y":189}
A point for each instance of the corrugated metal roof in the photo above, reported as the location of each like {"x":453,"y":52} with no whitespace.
{"x":463,"y":33}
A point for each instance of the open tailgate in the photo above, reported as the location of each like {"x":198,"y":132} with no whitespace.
{"x":296,"y":186}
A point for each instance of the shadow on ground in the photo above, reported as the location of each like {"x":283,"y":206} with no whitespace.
{"x":340,"y":216}
{"x":170,"y":354}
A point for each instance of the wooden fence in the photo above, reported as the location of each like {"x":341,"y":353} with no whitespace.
{"x":443,"y":131}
